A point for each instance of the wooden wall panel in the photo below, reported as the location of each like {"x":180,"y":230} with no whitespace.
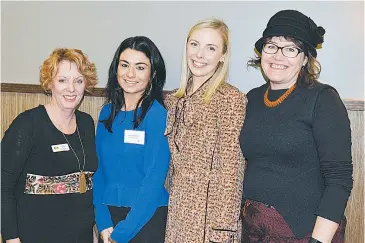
{"x":14,"y":103}
{"x":355,"y":206}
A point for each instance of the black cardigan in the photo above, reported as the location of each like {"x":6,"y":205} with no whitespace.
{"x":298,"y":154}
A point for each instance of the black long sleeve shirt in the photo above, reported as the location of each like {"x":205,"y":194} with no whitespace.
{"x":26,"y":149}
{"x":298,"y":154}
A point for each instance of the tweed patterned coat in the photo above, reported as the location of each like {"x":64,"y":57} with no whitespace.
{"x":206,"y":169}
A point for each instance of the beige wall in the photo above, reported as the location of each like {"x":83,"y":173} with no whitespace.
{"x":30,"y":30}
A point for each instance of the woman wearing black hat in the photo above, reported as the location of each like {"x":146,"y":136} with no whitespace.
{"x":296,"y":139}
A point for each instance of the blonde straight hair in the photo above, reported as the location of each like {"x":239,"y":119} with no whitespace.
{"x":221,"y":74}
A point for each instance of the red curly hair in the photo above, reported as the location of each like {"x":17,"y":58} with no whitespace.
{"x":49,"y":68}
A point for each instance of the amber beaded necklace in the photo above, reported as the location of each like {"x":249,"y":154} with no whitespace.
{"x":269,"y":103}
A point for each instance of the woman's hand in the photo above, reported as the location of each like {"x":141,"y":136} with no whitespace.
{"x":105,"y":234}
{"x":17,"y":240}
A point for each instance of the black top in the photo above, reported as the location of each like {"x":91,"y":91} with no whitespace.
{"x":298,"y":154}
{"x":26,"y":149}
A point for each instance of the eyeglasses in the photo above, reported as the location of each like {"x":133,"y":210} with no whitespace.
{"x":287,"y":51}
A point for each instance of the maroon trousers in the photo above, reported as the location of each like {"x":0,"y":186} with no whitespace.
{"x":263,"y":224}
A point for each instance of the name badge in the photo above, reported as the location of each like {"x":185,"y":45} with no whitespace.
{"x":60,"y":147}
{"x":135,"y":137}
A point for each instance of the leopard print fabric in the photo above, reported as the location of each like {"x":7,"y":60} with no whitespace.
{"x":206,"y":169}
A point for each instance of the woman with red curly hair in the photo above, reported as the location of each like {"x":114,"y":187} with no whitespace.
{"x":48,"y":159}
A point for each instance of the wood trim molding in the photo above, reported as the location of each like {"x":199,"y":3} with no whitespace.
{"x":37,"y":89}
{"x":354,"y":105}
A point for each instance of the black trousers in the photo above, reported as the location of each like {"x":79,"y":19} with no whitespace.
{"x":152,"y":232}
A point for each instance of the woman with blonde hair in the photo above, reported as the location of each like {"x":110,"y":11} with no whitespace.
{"x":48,"y":159}
{"x":205,"y":116}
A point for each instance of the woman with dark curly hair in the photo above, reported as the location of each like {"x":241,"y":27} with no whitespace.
{"x":48,"y":159}
{"x":296,"y":140}
{"x":129,"y":197}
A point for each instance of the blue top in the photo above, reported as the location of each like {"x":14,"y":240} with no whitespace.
{"x":131,"y":175}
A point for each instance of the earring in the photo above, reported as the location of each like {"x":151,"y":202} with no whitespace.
{"x":148,"y":92}
{"x":301,"y":70}
{"x":48,"y":92}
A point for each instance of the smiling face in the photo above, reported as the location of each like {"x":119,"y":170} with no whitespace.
{"x":67,"y":86}
{"x":282,"y":71}
{"x":134,"y":72}
{"x":204,"y":51}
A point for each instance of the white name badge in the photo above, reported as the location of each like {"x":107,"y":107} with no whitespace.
{"x":60,"y":147}
{"x":135,"y":137}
